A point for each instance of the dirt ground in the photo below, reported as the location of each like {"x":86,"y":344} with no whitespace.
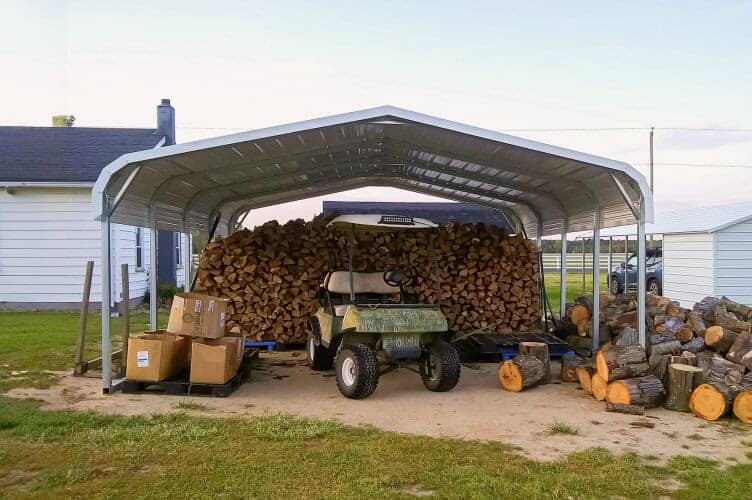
{"x":476,"y":409}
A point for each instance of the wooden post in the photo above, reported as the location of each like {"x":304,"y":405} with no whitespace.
{"x":79,"y":367}
{"x":126,"y":311}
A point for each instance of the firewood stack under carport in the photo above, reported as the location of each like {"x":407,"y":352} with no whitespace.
{"x":484,"y":279}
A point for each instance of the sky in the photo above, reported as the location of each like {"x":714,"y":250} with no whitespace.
{"x":523,"y":68}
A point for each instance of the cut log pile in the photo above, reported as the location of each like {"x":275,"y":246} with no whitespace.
{"x":697,"y":360}
{"x":483,"y":278}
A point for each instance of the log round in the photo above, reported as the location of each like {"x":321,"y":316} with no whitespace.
{"x":644,"y":391}
{"x":538,"y":350}
{"x":599,"y":386}
{"x":621,"y":362}
{"x":569,"y":365}
{"x":719,"y":339}
{"x":743,"y":407}
{"x":585,"y":376}
{"x":682,"y":380}
{"x":710,"y":402}
{"x":521,"y":373}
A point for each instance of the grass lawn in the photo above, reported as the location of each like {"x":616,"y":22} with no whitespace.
{"x":59,"y":453}
{"x":574,"y":287}
{"x":33,"y":342}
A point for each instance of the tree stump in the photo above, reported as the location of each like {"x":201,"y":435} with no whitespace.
{"x":720,"y":339}
{"x":743,"y":406}
{"x":645,"y":391}
{"x":682,"y":380}
{"x":711,"y":401}
{"x":521,"y":373}
{"x":600,"y":387}
{"x":585,"y":376}
{"x":741,"y":351}
{"x":569,"y":365}
{"x":538,"y":350}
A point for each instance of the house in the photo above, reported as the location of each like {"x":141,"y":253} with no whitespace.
{"x":47,"y":233}
{"x":439,"y":212}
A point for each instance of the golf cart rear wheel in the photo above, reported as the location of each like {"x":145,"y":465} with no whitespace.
{"x":357,"y":371}
{"x":319,"y":357}
{"x":440,"y":367}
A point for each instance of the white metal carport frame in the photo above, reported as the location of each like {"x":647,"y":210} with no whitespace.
{"x":209,"y":184}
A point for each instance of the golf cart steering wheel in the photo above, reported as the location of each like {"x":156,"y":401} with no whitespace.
{"x":396,"y":277}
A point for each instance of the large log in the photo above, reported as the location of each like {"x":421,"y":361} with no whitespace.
{"x":569,"y":365}
{"x":521,"y":373}
{"x":695,"y":345}
{"x":599,"y":386}
{"x":743,"y":406}
{"x":585,"y":376}
{"x":719,"y":339}
{"x":713,"y":400}
{"x":729,"y":322}
{"x":538,"y":350}
{"x":697,"y":324}
{"x":706,"y":309}
{"x":741,"y":351}
{"x":621,"y":362}
{"x":645,"y":391}
{"x":743,"y":312}
{"x":670,"y":347}
{"x":682,"y":380}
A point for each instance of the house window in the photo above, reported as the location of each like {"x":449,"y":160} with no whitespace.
{"x":139,"y":248}
{"x":178,"y":253}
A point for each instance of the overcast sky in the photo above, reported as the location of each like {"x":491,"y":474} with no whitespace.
{"x":507,"y":66}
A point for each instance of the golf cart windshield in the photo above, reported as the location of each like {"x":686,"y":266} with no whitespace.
{"x":376,"y":222}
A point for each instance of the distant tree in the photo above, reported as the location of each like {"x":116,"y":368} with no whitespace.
{"x":63,"y":121}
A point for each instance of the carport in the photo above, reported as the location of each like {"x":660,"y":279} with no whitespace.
{"x":206,"y":187}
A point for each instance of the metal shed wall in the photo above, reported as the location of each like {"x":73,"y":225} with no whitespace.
{"x":733,"y":262}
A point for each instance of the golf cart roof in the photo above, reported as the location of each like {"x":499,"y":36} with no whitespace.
{"x":377,"y":222}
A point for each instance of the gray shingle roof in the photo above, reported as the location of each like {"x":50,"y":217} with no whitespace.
{"x":76,"y":154}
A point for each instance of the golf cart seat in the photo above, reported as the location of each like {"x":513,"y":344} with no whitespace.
{"x":338,"y":282}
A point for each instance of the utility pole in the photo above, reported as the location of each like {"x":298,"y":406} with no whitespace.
{"x":652,"y":188}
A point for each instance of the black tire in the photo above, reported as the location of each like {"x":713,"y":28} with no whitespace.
{"x":319,"y":357}
{"x":653,"y":286}
{"x":444,"y":372}
{"x":615,"y":287}
{"x":362,"y":377}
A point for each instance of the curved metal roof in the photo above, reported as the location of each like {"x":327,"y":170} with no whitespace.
{"x":188,"y":185}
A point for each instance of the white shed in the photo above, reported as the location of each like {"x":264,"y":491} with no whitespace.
{"x":707,"y":251}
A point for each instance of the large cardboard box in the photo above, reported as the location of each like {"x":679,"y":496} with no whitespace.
{"x":198,"y":315}
{"x":153,"y":357}
{"x":215,"y":361}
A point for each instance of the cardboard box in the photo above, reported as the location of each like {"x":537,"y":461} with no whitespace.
{"x":197,"y":315}
{"x":215,"y":361}
{"x":153,"y":357}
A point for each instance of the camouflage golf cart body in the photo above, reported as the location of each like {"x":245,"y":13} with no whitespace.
{"x":366,"y":326}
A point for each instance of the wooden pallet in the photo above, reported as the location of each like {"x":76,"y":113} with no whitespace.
{"x":180,"y":385}
{"x":494,"y":347}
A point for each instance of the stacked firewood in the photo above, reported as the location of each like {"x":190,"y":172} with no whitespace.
{"x":482,"y":278}
{"x":697,"y":360}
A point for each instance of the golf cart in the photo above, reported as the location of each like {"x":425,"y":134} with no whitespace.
{"x":362,"y":315}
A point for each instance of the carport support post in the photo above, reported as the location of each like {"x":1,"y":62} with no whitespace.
{"x":610,"y":263}
{"x":187,"y":262}
{"x":153,"y":300}
{"x":596,"y":280}
{"x":563,"y":273}
{"x":105,"y":298}
{"x":626,"y":258}
{"x":641,"y":275}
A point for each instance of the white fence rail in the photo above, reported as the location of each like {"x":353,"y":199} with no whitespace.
{"x":552,"y":262}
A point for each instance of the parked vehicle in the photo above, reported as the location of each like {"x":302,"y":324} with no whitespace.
{"x":358,"y":318}
{"x":653,"y":273}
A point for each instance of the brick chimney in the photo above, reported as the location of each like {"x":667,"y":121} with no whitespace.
{"x":166,"y":121}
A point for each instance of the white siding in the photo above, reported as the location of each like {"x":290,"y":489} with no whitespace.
{"x":688,"y":267}
{"x":733,"y":266}
{"x":46,"y":237}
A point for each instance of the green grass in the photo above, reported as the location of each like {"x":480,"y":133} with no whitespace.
{"x":574,"y":287}
{"x":37,"y":342}
{"x":70,"y":454}
{"x":185,"y":404}
{"x":562,"y":428}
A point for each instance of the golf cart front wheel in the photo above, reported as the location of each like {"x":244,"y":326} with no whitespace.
{"x":357,"y":371}
{"x":319,"y":357}
{"x":440,"y":367}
